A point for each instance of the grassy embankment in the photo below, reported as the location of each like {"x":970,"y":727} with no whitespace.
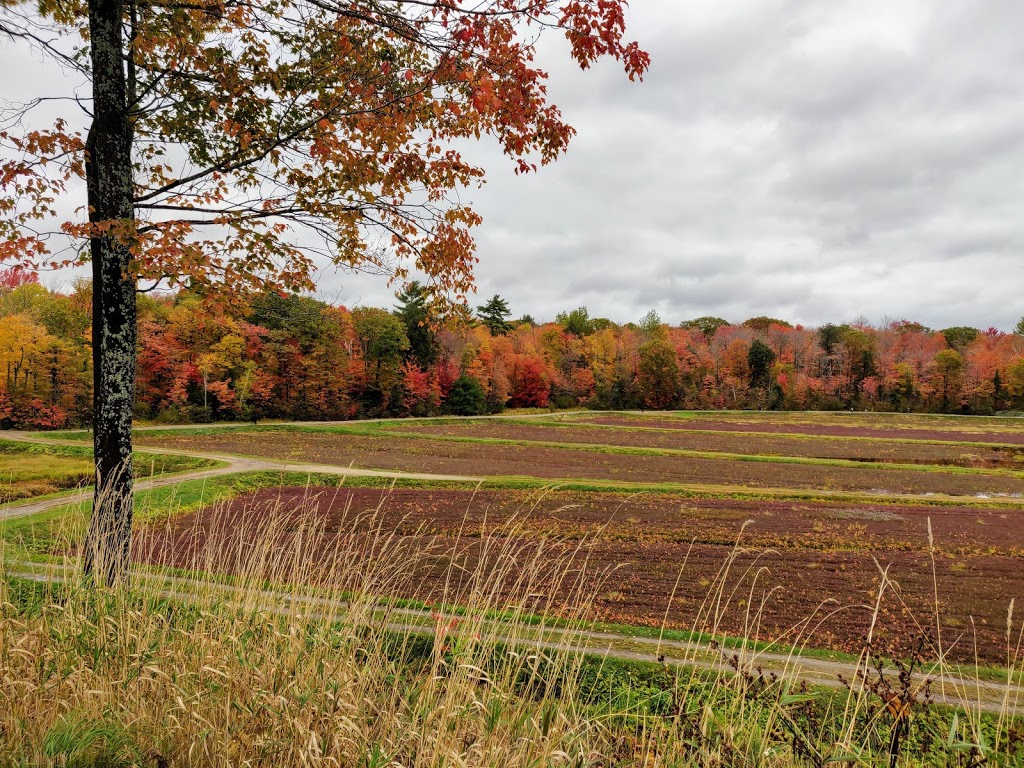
{"x":38,"y":471}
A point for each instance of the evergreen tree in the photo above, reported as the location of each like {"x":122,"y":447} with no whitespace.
{"x":413,"y":309}
{"x":760,"y":358}
{"x":650,"y":324}
{"x":959,"y":336}
{"x":830,"y":336}
{"x":495,"y":314}
{"x":466,"y":398}
{"x":706,"y":325}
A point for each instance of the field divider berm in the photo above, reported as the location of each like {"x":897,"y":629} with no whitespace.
{"x":953,"y":689}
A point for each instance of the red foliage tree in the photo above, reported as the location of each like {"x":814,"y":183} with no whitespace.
{"x":529,"y":383}
{"x":16,"y":276}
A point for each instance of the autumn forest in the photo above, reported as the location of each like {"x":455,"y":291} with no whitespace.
{"x":295,"y":357}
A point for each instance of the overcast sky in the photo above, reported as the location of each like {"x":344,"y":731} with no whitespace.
{"x":807,"y":160}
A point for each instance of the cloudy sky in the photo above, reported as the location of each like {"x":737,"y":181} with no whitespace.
{"x":811,"y":161}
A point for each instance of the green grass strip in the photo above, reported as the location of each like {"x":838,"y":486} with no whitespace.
{"x":802,"y":436}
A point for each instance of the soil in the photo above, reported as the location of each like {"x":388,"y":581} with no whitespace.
{"x":882,"y":451}
{"x":483,"y":460}
{"x":793,"y":557}
{"x":1011,"y":433}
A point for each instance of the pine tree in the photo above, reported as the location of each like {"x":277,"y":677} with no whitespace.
{"x":495,"y":314}
{"x":413,"y":309}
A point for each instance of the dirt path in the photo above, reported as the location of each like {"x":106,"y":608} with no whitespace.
{"x":230,"y":465}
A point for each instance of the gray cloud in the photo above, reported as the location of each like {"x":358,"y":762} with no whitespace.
{"x":817,"y":162}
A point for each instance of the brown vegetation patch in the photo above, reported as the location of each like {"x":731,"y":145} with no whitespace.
{"x":761,"y":445}
{"x":497,"y":460}
{"x":969,"y":430}
{"x":810,"y":553}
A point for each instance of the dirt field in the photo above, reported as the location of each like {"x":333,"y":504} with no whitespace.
{"x":803,"y":553}
{"x":810,"y":553}
{"x":1007,"y":431}
{"x":651,"y":436}
{"x":498,"y":460}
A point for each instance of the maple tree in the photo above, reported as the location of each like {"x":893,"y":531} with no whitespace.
{"x":657,"y":373}
{"x":948,"y":365}
{"x":233,"y":143}
{"x":16,"y":276}
{"x":530,"y":386}
{"x":421,"y":393}
{"x":1015,"y":378}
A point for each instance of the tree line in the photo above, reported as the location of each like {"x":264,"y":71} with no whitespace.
{"x":296,"y":357}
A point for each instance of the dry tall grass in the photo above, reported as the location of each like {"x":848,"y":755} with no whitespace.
{"x":300,"y":658}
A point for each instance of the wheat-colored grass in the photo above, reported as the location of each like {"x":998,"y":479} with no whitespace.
{"x":302,"y":658}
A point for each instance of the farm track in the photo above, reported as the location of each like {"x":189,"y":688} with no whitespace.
{"x":950,"y":689}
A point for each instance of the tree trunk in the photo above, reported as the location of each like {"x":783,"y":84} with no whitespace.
{"x":110,"y":191}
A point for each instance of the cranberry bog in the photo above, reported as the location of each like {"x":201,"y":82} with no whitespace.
{"x":898,"y":426}
{"x":652,"y":433}
{"x":811,"y":513}
{"x":606,"y":457}
{"x":656,"y":557}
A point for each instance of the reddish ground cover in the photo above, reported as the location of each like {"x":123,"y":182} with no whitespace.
{"x":863,"y":419}
{"x":815,"y":553}
{"x":483,"y":460}
{"x":859,"y":450}
{"x":970,"y":431}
